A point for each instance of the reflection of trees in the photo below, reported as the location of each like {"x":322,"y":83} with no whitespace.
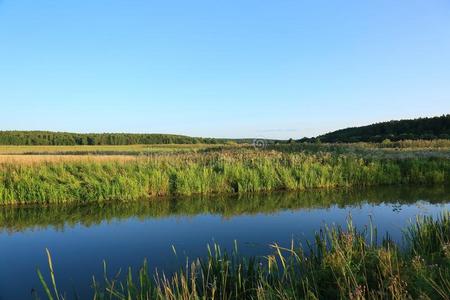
{"x":59,"y":216}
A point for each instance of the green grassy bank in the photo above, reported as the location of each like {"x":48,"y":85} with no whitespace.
{"x":339,"y":264}
{"x":243,"y":171}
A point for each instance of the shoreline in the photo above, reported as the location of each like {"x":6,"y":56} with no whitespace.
{"x":227,"y":172}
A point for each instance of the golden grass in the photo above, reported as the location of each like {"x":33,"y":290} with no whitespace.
{"x":7,"y":149}
{"x":37,"y":159}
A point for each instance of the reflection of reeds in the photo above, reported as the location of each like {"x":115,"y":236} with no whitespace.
{"x":338,"y":264}
{"x":100,"y":178}
{"x":58,"y":216}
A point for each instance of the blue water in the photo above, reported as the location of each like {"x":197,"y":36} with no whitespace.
{"x":80,"y":238}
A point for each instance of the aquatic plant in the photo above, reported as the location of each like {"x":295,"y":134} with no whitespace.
{"x":339,"y":264}
{"x":238,"y":171}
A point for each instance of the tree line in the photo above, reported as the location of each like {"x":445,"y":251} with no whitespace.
{"x":65,"y":138}
{"x":413,"y":129}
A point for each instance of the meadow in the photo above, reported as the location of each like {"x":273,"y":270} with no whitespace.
{"x":42,"y":175}
{"x":100,"y":150}
{"x":341,"y":263}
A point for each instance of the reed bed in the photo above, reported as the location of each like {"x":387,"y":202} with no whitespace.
{"x":239,"y":171}
{"x":341,"y":263}
{"x":393,"y":150}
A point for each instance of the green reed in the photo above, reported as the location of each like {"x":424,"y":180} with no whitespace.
{"x":339,"y":264}
{"x":243,"y":171}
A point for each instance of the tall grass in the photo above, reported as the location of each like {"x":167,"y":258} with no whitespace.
{"x":243,"y":171}
{"x":338,"y":264}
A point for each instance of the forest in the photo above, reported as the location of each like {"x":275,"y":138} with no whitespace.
{"x":412,"y":129}
{"x":65,"y":138}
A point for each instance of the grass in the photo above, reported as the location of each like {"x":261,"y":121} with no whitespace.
{"x":392,"y":150}
{"x":236,"y":170}
{"x":338,"y":264}
{"x":66,"y":158}
{"x":104,"y":149}
{"x":415,"y":146}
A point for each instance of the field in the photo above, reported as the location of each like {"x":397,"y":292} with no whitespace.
{"x":103,"y":153}
{"x":420,"y":147}
{"x":69,"y":174}
{"x":104,"y":149}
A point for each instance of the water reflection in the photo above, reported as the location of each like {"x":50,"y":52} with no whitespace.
{"x":13,"y":219}
{"x":123,"y":234}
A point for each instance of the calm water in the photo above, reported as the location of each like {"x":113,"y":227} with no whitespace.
{"x":80,"y":238}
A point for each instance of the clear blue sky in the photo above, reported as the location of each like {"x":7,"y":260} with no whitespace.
{"x":229,"y":68}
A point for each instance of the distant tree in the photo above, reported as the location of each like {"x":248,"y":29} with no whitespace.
{"x":422,"y":128}
{"x":64,"y":138}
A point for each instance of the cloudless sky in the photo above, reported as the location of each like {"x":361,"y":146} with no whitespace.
{"x":221,"y":68}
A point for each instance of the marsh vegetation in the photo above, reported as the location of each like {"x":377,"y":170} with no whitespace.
{"x":341,"y":263}
{"x":218,"y":172}
{"x":221,"y":169}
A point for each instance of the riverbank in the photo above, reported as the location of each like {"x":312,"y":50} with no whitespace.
{"x":227,"y":171}
{"x":339,"y":264}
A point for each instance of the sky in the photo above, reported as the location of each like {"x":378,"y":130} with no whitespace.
{"x":216,"y":68}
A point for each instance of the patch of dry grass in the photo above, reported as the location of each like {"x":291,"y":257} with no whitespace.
{"x":108,"y":149}
{"x":50,"y":158}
